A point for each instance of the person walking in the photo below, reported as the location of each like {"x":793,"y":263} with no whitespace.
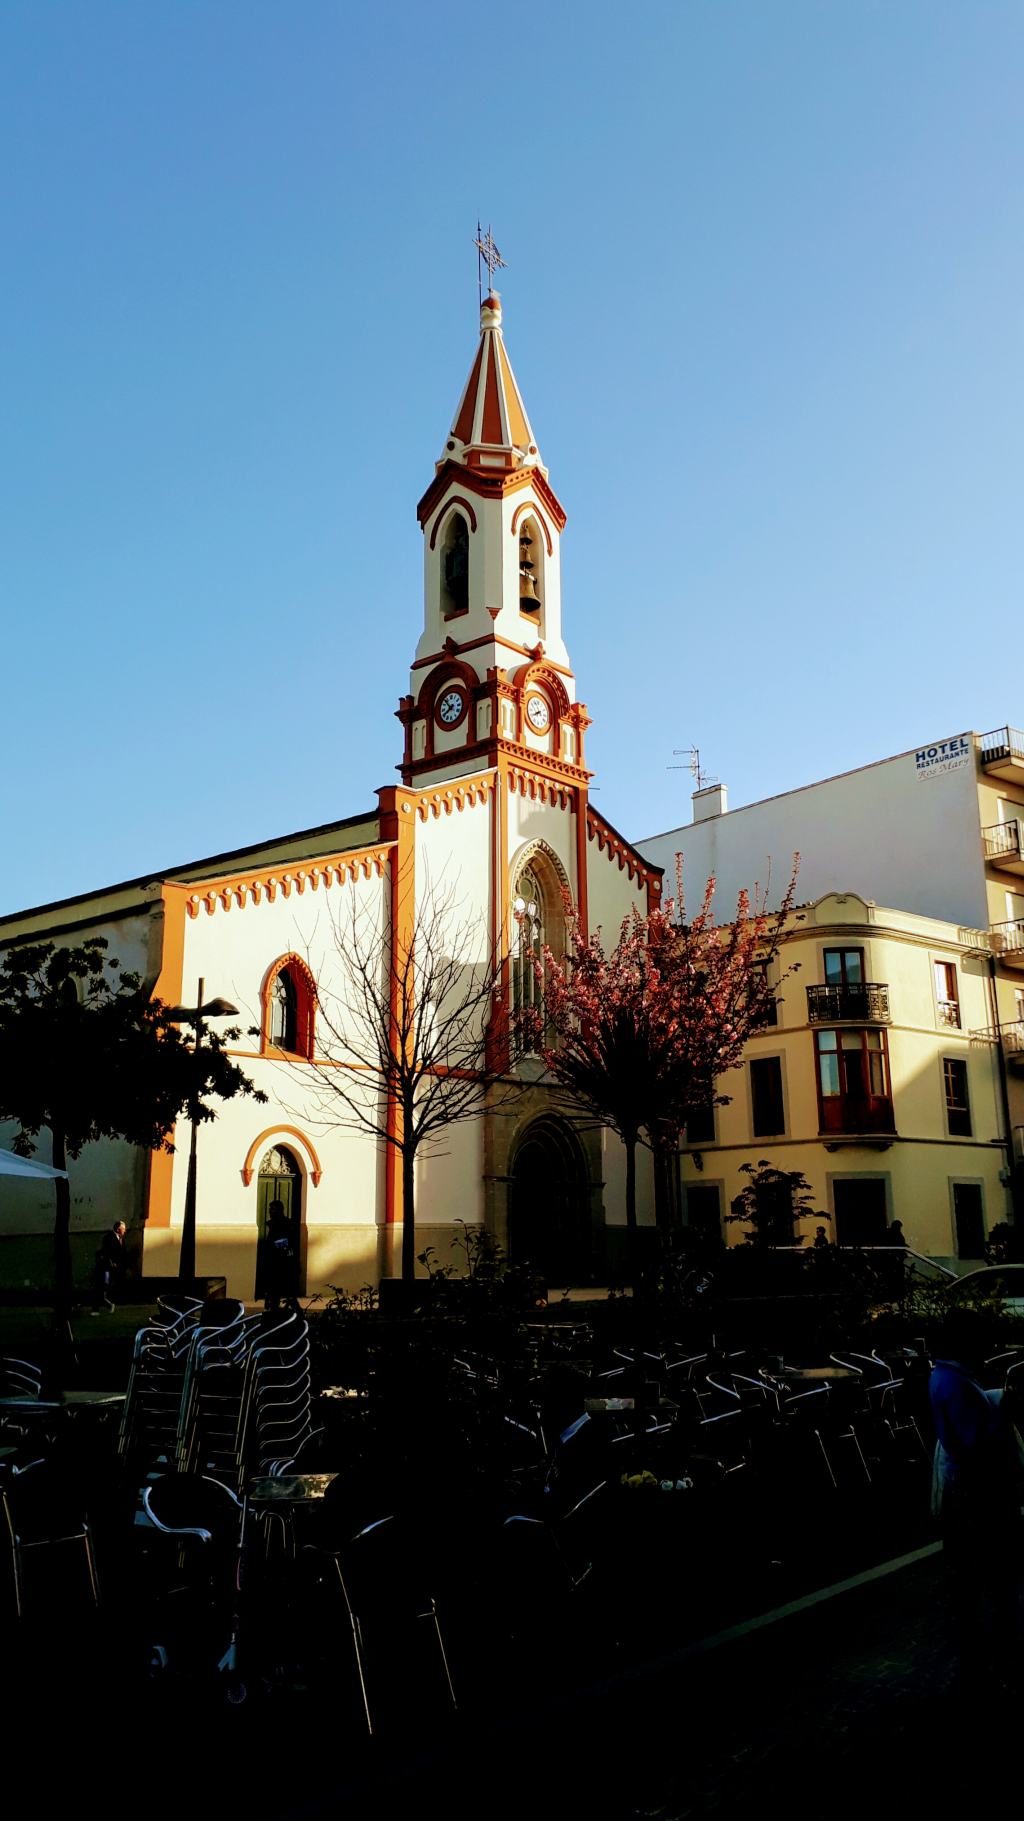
{"x":111,"y":1262}
{"x":976,"y":1495}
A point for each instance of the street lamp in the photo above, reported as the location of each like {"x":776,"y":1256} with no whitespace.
{"x":194,"y":1014}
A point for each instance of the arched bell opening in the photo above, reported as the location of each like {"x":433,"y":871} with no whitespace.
{"x":531,"y":573}
{"x":454,"y":572}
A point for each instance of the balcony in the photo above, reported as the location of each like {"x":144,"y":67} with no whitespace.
{"x":866,"y":1004}
{"x":1011,"y":1038}
{"x":1008,"y":942}
{"x":1002,"y":753}
{"x":1003,"y":847}
{"x":863,"y":1118}
{"x":949,"y":1014}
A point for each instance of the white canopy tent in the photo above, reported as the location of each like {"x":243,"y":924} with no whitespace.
{"x":10,"y":1165}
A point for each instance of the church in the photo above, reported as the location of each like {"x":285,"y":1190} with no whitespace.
{"x":493,"y":820}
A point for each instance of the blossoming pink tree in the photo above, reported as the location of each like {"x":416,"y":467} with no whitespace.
{"x":639,"y":1035}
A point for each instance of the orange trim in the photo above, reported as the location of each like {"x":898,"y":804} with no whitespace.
{"x":456,"y":500}
{"x":305,"y":1010}
{"x":454,"y":796}
{"x":491,"y":484}
{"x":398,"y":821}
{"x":450,"y":670}
{"x":522,"y":511}
{"x":538,"y":671}
{"x":463,"y":425}
{"x":518,"y":428}
{"x":498,"y":1029}
{"x":249,"y":888}
{"x":290,"y":1131}
{"x":582,"y":879}
{"x":490,"y":423}
{"x":169,"y":988}
{"x":488,"y":752}
{"x":524,"y":651}
{"x":611,"y":842}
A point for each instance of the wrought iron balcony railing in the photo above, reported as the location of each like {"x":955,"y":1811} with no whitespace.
{"x":1003,"y":746}
{"x":1011,"y":1036}
{"x":949,"y":1013}
{"x":1009,"y":937}
{"x":866,"y":1004}
{"x":1002,"y":841}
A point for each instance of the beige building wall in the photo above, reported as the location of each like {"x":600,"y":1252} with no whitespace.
{"x":921,"y":1160}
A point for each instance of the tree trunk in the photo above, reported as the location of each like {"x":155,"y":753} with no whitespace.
{"x":632,"y":1248}
{"x":408,"y":1215}
{"x":62,"y":1281}
{"x":64,"y":1363}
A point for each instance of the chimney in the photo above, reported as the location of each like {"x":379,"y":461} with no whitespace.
{"x":713,"y":800}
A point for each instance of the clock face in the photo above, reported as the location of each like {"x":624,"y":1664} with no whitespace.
{"x":538,"y":714}
{"x":450,"y":707}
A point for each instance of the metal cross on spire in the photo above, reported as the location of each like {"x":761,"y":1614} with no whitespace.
{"x":486,"y":255}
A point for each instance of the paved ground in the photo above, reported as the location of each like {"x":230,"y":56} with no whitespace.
{"x":846,"y":1708}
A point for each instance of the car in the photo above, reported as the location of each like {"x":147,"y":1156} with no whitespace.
{"x":991,"y":1283}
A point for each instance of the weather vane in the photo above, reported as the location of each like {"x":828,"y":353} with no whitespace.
{"x":486,"y":255}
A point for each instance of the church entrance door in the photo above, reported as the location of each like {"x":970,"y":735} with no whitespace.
{"x":279,"y":1216}
{"x":549,"y":1223}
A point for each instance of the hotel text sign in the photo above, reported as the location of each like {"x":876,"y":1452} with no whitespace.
{"x":945,"y":755}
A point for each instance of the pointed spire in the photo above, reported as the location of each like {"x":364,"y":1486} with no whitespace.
{"x":491,"y":429}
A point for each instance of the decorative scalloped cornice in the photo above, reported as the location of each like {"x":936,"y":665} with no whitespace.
{"x":454,"y":796}
{"x":240,"y":890}
{"x":533,"y":784}
{"x":611,"y":843}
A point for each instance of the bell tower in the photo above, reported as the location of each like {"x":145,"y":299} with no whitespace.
{"x":491,"y":669}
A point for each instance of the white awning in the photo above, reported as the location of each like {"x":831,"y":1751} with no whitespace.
{"x":10,"y":1165}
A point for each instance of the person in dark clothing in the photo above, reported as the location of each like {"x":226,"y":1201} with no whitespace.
{"x":894,"y":1234}
{"x":280,"y":1287}
{"x":110,"y":1265}
{"x":976,"y":1499}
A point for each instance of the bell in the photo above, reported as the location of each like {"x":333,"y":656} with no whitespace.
{"x":529,"y":599}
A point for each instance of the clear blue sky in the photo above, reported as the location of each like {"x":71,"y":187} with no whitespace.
{"x":766,"y":264}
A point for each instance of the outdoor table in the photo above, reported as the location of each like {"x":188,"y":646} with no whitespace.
{"x":281,"y":1499}
{"x":819,"y":1374}
{"x":290,"y":1489}
{"x":341,"y":1391}
{"x":608,"y":1406}
{"x":92,"y":1400}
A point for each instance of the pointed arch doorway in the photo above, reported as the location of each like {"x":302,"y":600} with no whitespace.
{"x":279,"y":1215}
{"x":549,"y":1221}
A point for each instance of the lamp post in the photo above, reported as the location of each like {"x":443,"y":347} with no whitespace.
{"x":194,"y":1014}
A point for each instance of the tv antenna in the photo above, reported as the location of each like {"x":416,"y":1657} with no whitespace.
{"x":693,"y":765}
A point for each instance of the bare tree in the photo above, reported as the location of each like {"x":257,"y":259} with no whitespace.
{"x":405,"y":1031}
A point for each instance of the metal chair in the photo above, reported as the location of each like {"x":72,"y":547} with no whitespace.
{"x":386,"y":1602}
{"x":42,"y":1510}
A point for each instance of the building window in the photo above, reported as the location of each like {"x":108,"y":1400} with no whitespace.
{"x":958,"y":1106}
{"x":844,"y":966}
{"x":528,"y":938}
{"x":700,"y":1124}
{"x":289,"y":1008}
{"x":853,"y":1081}
{"x":969,"y":1220}
{"x":946,"y":995}
{"x":704,"y":1210}
{"x":766,"y":1097}
{"x":770,"y":1012}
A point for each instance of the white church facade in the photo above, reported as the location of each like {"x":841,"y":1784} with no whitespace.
{"x":493,"y":807}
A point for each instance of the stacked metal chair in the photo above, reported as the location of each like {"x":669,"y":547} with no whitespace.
{"x":149,"y":1421}
{"x":246,"y":1406}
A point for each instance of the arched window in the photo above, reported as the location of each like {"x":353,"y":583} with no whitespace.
{"x":531,"y":571}
{"x":455,"y":567}
{"x":283,"y":1011}
{"x":289,"y":1007}
{"x":528,"y":937}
